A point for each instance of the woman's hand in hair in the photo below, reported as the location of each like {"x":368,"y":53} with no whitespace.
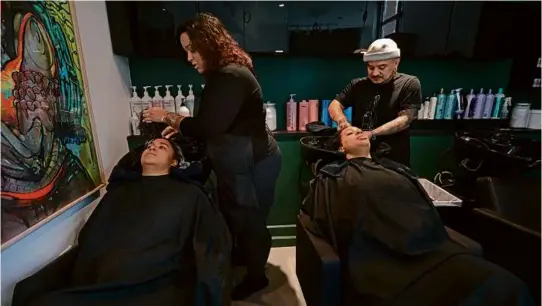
{"x":154,"y":114}
{"x":169,"y":132}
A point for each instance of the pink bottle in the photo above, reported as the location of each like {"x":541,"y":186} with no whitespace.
{"x":291,"y":114}
{"x":313,"y":110}
{"x":303,"y":115}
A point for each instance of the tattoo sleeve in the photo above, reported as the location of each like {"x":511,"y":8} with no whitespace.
{"x":410,"y":113}
{"x":173,"y":120}
{"x":396,"y":125}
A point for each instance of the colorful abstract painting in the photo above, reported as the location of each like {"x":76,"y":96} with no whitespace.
{"x":49,"y":157}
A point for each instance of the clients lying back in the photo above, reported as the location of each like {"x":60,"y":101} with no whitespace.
{"x":152,"y":240}
{"x":393,"y":248}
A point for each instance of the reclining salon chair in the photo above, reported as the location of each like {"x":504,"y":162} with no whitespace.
{"x":57,"y":274}
{"x":318,"y":266}
{"x":507,"y":225}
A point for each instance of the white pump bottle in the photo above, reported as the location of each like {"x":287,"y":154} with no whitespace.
{"x":135,"y":111}
{"x":169,"y":101}
{"x":147,"y":100}
{"x":190,"y":99}
{"x":179,"y":99}
{"x":157,"y":100}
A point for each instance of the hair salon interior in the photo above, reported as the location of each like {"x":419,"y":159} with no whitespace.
{"x":474,"y":142}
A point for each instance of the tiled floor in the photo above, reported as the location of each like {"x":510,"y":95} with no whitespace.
{"x":284,"y":288}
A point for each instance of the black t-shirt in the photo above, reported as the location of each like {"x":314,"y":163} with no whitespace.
{"x":232,"y":103}
{"x":401,"y":93}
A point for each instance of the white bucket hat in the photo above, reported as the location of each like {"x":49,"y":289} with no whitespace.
{"x":381,"y":50}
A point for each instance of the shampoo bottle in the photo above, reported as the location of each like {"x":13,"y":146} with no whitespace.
{"x":459,"y":104}
{"x":135,"y":102}
{"x":146,"y":99}
{"x":291,"y":114}
{"x":432,"y":107}
{"x":348,"y":114}
{"x":169,"y":101}
{"x":469,"y":107}
{"x":157,"y":100}
{"x":270,"y":115}
{"x":506,"y":107}
{"x":134,"y":123}
{"x":303,"y":115}
{"x":499,"y":100}
{"x":488,"y":106}
{"x":421,"y":112}
{"x":426,"y":108}
{"x":313,"y":110}
{"x":189,"y":101}
{"x":480,"y":104}
{"x":450,"y":106}
{"x":135,"y":111}
{"x":441,"y":105}
{"x":324,"y":115}
{"x":179,"y":100}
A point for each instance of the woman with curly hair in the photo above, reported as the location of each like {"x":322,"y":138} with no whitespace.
{"x":244,"y":154}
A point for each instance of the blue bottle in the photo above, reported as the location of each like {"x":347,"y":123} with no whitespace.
{"x":441,"y":105}
{"x":347,"y":113}
{"x":499,"y":101}
{"x":480,"y":104}
{"x":471,"y":100}
{"x":488,"y":105}
{"x":325,"y":113}
{"x":450,"y":106}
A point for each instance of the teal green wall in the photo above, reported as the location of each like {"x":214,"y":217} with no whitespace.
{"x":322,"y":79}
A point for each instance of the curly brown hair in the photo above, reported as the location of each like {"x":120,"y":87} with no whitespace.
{"x":209,"y":37}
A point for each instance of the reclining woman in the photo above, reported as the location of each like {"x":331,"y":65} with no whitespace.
{"x":393,"y":247}
{"x":154,"y":239}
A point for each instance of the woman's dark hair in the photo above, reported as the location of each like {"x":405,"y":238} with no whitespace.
{"x":151,"y":129}
{"x":209,"y":37}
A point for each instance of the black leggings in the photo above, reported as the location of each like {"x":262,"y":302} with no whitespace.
{"x":248,"y":221}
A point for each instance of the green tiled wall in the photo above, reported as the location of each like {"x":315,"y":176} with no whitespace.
{"x":322,"y":79}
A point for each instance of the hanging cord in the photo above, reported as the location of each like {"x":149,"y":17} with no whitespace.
{"x":465,"y":162}
{"x":439,"y":180}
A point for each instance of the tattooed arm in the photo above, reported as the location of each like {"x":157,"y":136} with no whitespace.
{"x":174,"y":120}
{"x":396,"y":125}
{"x":409,"y":103}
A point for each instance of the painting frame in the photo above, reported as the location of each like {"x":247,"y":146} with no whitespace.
{"x":95,"y":192}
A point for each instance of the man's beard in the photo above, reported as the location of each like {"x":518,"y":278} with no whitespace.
{"x":393,"y":74}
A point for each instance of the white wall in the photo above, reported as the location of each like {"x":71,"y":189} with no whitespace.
{"x":109,"y":80}
{"x":430,"y":21}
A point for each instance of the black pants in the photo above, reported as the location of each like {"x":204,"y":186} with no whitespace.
{"x":246,"y":192}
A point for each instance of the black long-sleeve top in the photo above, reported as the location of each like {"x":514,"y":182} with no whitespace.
{"x":231,"y":103}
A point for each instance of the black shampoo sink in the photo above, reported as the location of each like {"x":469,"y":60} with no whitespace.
{"x":497,"y":153}
{"x":318,"y":151}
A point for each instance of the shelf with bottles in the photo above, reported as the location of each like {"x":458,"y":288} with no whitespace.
{"x":176,"y":102}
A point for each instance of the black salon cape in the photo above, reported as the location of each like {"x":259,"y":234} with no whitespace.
{"x":397,"y":252}
{"x":151,"y":241}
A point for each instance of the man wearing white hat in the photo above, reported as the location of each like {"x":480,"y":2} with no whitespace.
{"x":384,"y":103}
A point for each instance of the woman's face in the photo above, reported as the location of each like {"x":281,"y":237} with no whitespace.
{"x":158,"y":154}
{"x":353,"y":139}
{"x":194,"y":57}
